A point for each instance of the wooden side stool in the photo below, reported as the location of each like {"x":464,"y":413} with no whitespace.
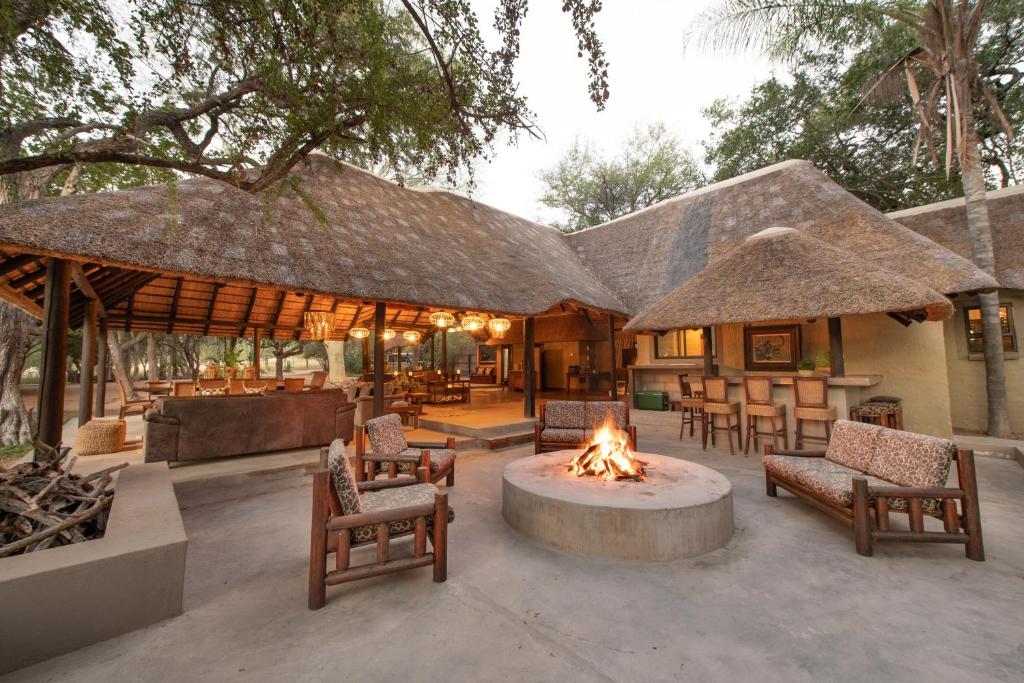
{"x":716,"y":402}
{"x":811,"y":395}
{"x":758,"y":393}
{"x":691,"y":407}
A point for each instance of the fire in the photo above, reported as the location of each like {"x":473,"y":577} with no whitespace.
{"x":608,"y":457}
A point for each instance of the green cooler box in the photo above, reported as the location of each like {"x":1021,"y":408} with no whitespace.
{"x":650,"y":400}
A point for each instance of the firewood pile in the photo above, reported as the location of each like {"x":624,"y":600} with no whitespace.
{"x":42,"y":504}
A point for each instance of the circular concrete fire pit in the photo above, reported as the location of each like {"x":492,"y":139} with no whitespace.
{"x":681,"y":510}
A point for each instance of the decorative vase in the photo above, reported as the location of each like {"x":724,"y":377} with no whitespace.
{"x":805,"y":373}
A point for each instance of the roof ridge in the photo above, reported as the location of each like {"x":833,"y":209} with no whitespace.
{"x":955,"y":202}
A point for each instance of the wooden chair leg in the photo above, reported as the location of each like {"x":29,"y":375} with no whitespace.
{"x":318,"y":542}
{"x":704,"y":431}
{"x":769,"y":486}
{"x":728,"y":432}
{"x":799,"y":434}
{"x":440,"y":537}
{"x":751,"y":428}
{"x":739,"y":432}
{"x":861,"y":517}
{"x":450,"y":479}
{"x":970,"y":510}
{"x":828,"y":431}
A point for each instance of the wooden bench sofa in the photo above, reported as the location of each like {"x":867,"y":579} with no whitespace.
{"x":869,"y":471}
{"x":571,"y":424}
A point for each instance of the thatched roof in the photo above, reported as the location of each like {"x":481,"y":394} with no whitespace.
{"x":946,"y":223}
{"x":565,"y":327}
{"x":782,"y":273}
{"x":332,"y":230}
{"x":647,"y":254}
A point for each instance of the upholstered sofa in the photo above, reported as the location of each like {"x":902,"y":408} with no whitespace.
{"x":196,"y":428}
{"x":488,"y":375}
{"x":571,"y":424}
{"x":869,"y":471}
{"x":361,"y":394}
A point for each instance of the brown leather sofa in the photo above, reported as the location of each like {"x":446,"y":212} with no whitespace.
{"x":198,"y":428}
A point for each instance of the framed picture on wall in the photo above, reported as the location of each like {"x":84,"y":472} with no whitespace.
{"x":486,"y":355}
{"x":771,"y":348}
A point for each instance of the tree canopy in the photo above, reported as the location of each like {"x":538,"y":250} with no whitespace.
{"x":590,"y":189}
{"x":240,"y":90}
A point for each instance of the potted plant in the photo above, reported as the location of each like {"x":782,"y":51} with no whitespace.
{"x":824,"y":363}
{"x":805,"y":367}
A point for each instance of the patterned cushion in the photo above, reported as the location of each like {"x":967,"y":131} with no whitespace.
{"x":254,"y":391}
{"x":910,"y":459}
{"x":439,"y":459}
{"x":392,"y":499}
{"x":565,"y":415}
{"x":853,"y":444}
{"x":597,"y":412}
{"x":566,"y":436}
{"x":386,"y":434}
{"x":831,"y":481}
{"x":343,"y":478}
{"x":219,"y":391}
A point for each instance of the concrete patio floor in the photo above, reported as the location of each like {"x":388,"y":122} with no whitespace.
{"x":786,"y":599}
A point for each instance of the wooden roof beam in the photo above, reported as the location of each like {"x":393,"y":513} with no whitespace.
{"x":213,"y":303}
{"x":248,"y":312}
{"x":302,"y":318}
{"x":16,"y":262}
{"x":175,"y":299}
{"x":85,"y":287}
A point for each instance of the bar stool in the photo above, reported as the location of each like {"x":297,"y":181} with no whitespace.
{"x":690,"y":406}
{"x":811,"y":395}
{"x":758,"y":392}
{"x":716,"y":402}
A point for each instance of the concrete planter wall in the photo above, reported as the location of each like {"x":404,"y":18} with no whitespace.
{"x":64,"y":598}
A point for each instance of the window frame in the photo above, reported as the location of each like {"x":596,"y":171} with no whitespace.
{"x":658,"y":355}
{"x":1011,"y":333}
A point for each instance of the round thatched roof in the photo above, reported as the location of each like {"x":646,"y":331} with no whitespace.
{"x":780,"y":274}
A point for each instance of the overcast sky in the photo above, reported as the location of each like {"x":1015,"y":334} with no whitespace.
{"x":652,"y":79}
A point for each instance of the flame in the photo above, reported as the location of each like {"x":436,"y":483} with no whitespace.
{"x":608,"y":456}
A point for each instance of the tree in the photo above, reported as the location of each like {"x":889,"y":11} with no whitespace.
{"x":953,"y":97}
{"x":17,"y":327}
{"x":282,"y":349}
{"x":241,"y":90}
{"x":590,"y":190}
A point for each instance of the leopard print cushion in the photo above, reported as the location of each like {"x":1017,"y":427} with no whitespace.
{"x":386,"y":434}
{"x":440,"y":458}
{"x":392,"y":499}
{"x":597,"y":412}
{"x":909,"y":459}
{"x":343,"y":478}
{"x":566,"y":436}
{"x":565,"y":415}
{"x":219,"y":391}
{"x":853,"y":444}
{"x":254,"y":391}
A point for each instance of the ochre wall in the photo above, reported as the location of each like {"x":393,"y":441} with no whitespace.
{"x":967,"y":372}
{"x":909,"y":360}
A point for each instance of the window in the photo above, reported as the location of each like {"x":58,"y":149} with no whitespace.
{"x":975,"y":338}
{"x":680,"y":344}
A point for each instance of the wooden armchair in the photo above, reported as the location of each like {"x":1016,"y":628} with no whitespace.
{"x":391,"y":453}
{"x":136,"y":407}
{"x":349,"y":514}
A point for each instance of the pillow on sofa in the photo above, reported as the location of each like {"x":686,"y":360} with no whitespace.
{"x":386,"y":434}
{"x":910,"y":459}
{"x":598,"y":412}
{"x":343,"y":478}
{"x":564,"y":414}
{"x":218,"y":391}
{"x":853,"y":444}
{"x":254,"y":391}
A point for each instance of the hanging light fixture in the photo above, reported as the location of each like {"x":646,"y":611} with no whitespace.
{"x":388,"y":334}
{"x":319,"y":324}
{"x":498,"y":327}
{"x":472,"y":323}
{"x":412,"y":336}
{"x":359,"y":333}
{"x":442,"y":319}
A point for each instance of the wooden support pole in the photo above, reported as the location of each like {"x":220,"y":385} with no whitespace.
{"x":54,"y":353}
{"x":709,"y":356}
{"x":444,"y":351}
{"x":88,"y":359}
{"x":611,"y":355}
{"x":399,"y":358}
{"x":102,"y":359}
{"x":433,"y":350}
{"x":529,"y":390}
{"x":366,"y":355}
{"x":379,"y":311}
{"x":835,"y":347}
{"x":257,"y":340}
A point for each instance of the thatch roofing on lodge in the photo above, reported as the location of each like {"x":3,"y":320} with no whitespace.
{"x":331,"y":230}
{"x":782,"y":273}
{"x":206,"y":258}
{"x":645,"y":255}
{"x":946,"y":224}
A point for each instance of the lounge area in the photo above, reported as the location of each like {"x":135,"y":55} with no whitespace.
{"x":510,"y":605}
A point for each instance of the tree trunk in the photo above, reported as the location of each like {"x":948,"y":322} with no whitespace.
{"x":15,"y":328}
{"x":278,"y":365}
{"x":980,"y":233}
{"x":119,"y":365}
{"x":152,"y":358}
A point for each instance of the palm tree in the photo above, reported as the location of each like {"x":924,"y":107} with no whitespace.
{"x":944,"y":80}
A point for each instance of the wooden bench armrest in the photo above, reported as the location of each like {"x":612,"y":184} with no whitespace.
{"x":914,"y":492}
{"x":378,"y":484}
{"x":771,"y":450}
{"x":450,"y":443}
{"x":379,"y":517}
{"x":398,"y":457}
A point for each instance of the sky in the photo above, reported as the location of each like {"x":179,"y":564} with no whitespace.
{"x":652,"y":79}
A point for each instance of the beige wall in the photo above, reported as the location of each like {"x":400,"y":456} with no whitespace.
{"x":967,"y":371}
{"x":909,"y":360}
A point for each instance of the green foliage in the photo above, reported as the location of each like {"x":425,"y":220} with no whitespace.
{"x":824,"y":360}
{"x":590,"y":190}
{"x":806,"y":364}
{"x":240,"y":90}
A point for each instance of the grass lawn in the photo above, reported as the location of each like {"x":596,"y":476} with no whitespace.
{"x":9,"y":454}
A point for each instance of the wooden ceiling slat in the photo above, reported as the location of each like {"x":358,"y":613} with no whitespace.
{"x":17,"y":262}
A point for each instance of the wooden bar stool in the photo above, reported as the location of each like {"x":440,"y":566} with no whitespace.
{"x":811,"y":396}
{"x":716,"y":402}
{"x":758,"y":392}
{"x":691,"y":407}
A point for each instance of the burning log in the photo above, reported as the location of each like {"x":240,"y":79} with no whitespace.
{"x":42,"y":504}
{"x":608,"y":457}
